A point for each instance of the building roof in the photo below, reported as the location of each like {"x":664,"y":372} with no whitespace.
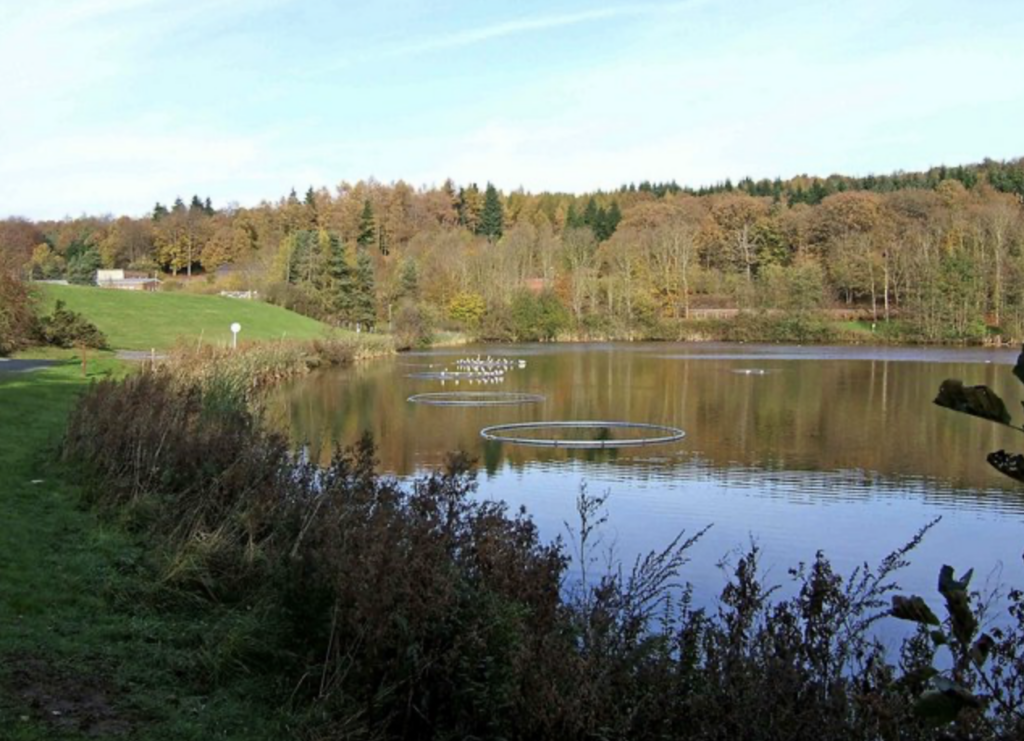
{"x":127,"y":281}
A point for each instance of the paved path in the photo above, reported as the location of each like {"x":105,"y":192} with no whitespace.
{"x":139,"y":355}
{"x":21,"y":366}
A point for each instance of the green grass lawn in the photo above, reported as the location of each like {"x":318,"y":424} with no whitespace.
{"x":858,"y":326}
{"x":90,"y":645}
{"x":137,"y":320}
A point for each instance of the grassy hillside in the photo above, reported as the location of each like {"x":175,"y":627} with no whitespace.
{"x":140,"y":321}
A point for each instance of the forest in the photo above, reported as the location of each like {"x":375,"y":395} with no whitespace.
{"x":935,"y":256}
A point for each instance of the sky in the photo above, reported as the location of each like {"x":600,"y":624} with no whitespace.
{"x":112,"y":105}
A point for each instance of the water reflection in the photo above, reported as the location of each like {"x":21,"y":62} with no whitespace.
{"x":834,"y":448}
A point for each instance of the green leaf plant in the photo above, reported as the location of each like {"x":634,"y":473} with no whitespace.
{"x":969,"y":692}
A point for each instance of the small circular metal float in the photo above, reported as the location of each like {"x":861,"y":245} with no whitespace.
{"x":500,"y":433}
{"x":474,"y":398}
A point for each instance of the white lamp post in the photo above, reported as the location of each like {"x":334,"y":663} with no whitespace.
{"x":235,"y":329}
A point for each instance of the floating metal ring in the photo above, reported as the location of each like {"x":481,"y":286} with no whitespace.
{"x":670,"y":434}
{"x":474,"y":398}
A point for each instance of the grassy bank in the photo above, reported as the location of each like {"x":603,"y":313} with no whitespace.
{"x":139,"y":321}
{"x":783,"y":328}
{"x":90,"y":646}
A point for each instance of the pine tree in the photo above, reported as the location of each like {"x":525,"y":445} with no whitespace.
{"x":364,"y":308}
{"x":179,"y":205}
{"x":612,"y":219}
{"x":82,"y":267}
{"x":492,"y":218}
{"x":159,"y":211}
{"x":590,"y":214}
{"x":208,"y":207}
{"x":367,"y":226}
{"x":305,"y":266}
{"x":600,"y":225}
{"x":410,"y":280}
{"x":196,"y":205}
{"x":339,"y":290}
{"x":572,"y":219}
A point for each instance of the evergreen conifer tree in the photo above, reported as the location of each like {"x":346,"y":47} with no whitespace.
{"x":159,"y":211}
{"x":572,"y":219}
{"x":367,"y":226}
{"x":612,"y":219}
{"x":600,"y":225}
{"x":493,"y":217}
{"x":364,"y":308}
{"x":590,"y":214}
{"x":339,"y":291}
{"x":83,"y":266}
{"x":410,"y":281}
{"x":305,"y":266}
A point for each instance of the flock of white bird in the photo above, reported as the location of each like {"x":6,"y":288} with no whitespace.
{"x":481,"y":370}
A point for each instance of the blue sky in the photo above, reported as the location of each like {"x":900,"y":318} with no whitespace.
{"x":111,"y":105}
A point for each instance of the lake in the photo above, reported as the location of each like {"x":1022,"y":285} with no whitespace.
{"x":796,"y":448}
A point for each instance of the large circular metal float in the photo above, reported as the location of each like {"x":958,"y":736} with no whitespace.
{"x":512,"y":433}
{"x":475,"y":398}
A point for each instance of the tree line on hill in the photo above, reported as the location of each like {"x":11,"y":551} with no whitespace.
{"x":930,"y":256}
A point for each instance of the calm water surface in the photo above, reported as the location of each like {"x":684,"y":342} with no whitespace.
{"x":838,"y":449}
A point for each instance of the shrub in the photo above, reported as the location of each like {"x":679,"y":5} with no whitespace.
{"x":467,"y":310}
{"x":17,"y":318}
{"x":293,"y":298}
{"x":412,"y":326}
{"x":797,"y":327}
{"x":540,"y":317}
{"x":66,"y":328}
{"x":496,"y":324}
{"x":83,"y":266}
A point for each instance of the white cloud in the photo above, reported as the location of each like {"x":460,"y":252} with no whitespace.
{"x":480,"y":34}
{"x":113,"y":104}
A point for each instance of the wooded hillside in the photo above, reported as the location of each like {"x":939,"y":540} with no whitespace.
{"x":939,"y":251}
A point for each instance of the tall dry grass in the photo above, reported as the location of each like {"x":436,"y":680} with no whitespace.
{"x":253,"y":367}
